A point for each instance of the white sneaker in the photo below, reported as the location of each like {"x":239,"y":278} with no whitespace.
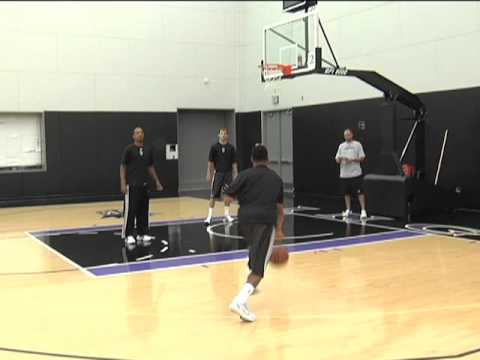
{"x":363,"y":215}
{"x":243,"y":311}
{"x":346,"y":213}
{"x":130,"y":242}
{"x":145,"y":240}
{"x":207,"y":221}
{"x":229,"y":219}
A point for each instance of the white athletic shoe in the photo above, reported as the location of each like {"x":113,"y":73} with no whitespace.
{"x":130,"y":242}
{"x":207,"y":221}
{"x":229,"y":219}
{"x":363,"y":215}
{"x":346,"y":213}
{"x":145,"y":240}
{"x":243,"y":311}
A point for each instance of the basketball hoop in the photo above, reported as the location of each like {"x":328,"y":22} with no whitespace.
{"x":273,"y":73}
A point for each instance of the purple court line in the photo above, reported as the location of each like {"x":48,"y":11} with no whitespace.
{"x":240,"y":254}
{"x":114,"y":227}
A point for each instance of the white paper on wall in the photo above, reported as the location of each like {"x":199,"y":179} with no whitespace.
{"x":20,"y":140}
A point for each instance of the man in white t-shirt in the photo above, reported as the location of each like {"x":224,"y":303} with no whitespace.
{"x":349,"y":155}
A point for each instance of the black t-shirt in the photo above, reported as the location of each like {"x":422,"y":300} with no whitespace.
{"x":223,"y":157}
{"x":137,"y":159}
{"x":258,"y":190}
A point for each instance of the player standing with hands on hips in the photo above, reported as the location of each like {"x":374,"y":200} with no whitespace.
{"x":349,"y":155}
{"x":222,"y":169}
{"x":135,"y":168}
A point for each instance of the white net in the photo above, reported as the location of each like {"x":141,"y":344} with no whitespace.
{"x":272,"y":74}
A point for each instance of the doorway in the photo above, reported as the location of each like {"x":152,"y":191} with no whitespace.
{"x":197,"y":131}
{"x":277,"y":135}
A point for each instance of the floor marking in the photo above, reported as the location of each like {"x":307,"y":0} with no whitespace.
{"x":114,"y":227}
{"x":41,"y":272}
{"x":449,"y":230}
{"x":240,"y":255}
{"x":312,"y":236}
{"x":60,"y":255}
{"x":354,"y":222}
{"x":236,"y":255}
{"x":69,"y":356}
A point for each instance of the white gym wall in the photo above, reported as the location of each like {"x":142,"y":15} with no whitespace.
{"x":120,"y":56}
{"x":154,"y":56}
{"x":423,"y":46}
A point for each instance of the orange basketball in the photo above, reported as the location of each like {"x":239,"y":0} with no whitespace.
{"x":279,"y":255}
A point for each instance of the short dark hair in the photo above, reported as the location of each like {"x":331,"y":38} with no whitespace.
{"x":259,"y":153}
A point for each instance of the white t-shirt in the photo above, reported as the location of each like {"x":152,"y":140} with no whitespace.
{"x":350,"y":150}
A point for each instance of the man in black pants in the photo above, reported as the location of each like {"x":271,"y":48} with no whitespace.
{"x":222,"y":169}
{"x":259,"y":191}
{"x":135,"y":167}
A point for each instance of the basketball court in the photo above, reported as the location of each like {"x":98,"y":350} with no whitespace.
{"x":400,"y":284}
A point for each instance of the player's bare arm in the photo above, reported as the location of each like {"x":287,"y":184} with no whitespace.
{"x":280,"y":221}
{"x":123,"y":179}
{"x":153,"y":174}
{"x":235,"y":170}
{"x":210,"y":170}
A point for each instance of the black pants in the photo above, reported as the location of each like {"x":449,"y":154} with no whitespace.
{"x":260,"y":239}
{"x":135,"y":211}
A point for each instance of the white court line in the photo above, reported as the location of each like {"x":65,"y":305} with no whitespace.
{"x":312,"y":236}
{"x":63,"y":257}
{"x":354,"y":222}
{"x":461,"y":236}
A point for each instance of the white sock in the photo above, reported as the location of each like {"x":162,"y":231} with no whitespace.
{"x":243,"y":295}
{"x":227,"y":211}
{"x":210,"y":213}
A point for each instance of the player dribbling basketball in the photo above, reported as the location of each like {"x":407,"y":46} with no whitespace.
{"x":259,"y":191}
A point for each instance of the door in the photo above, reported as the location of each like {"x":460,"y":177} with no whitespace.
{"x":197,"y":131}
{"x":277,"y":137}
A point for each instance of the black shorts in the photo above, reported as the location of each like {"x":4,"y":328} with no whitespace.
{"x":352,"y":186}
{"x":219,"y":181}
{"x":260,"y":239}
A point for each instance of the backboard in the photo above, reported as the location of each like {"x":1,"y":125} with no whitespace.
{"x":292,"y":42}
{"x":297,"y":5}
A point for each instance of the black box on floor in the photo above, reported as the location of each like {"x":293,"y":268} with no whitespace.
{"x":388,"y":195}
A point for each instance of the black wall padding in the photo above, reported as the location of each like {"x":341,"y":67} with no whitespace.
{"x":249,"y":132}
{"x":83,"y":157}
{"x":317,"y":132}
{"x":388,"y":195}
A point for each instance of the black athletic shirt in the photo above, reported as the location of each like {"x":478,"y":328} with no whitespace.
{"x":137,"y":160}
{"x":223,"y":157}
{"x":258,"y":190}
